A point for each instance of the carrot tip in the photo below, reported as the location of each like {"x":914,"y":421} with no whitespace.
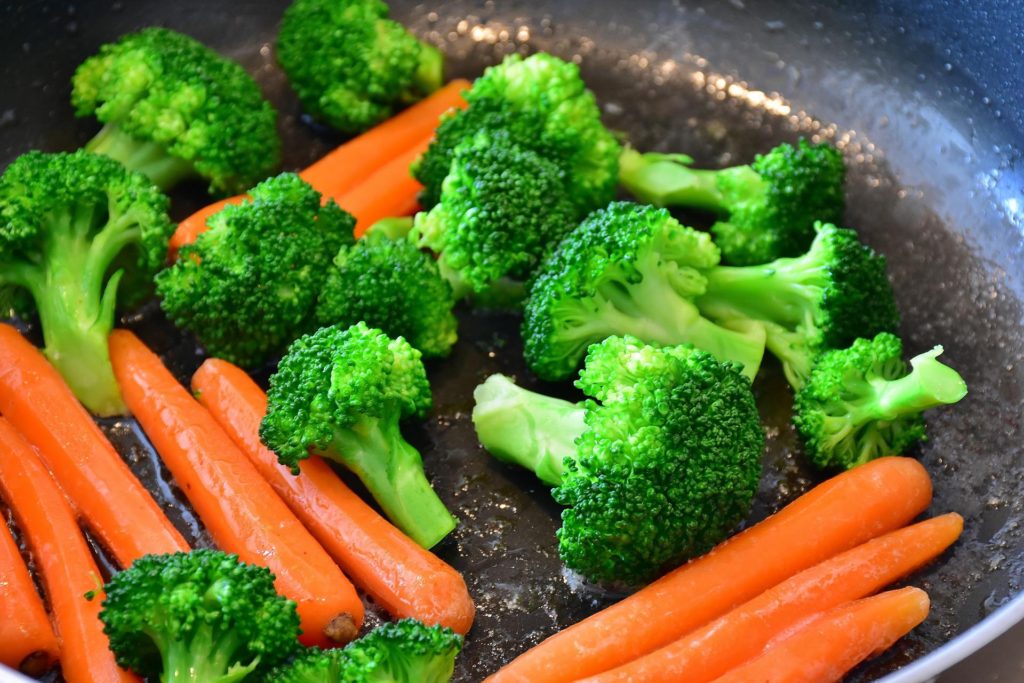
{"x":341,"y":629}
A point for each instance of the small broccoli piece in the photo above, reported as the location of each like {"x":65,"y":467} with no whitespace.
{"x":860,"y":403}
{"x":835,"y":292}
{"x":656,"y":467}
{"x":171,"y":108}
{"x":406,"y":651}
{"x":542,"y":104}
{"x":350,"y":65}
{"x":248,"y":286}
{"x":198,"y":616}
{"x":502,"y":209}
{"x":342,"y":392}
{"x":627,"y":269}
{"x":71,"y":226}
{"x":769,"y":206}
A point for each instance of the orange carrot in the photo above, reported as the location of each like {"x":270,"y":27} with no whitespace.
{"x":101,"y":487}
{"x":396,"y":572}
{"x":835,"y":516}
{"x":67,"y":568}
{"x":27,"y":642}
{"x":389,"y":191}
{"x":742,"y":634}
{"x":828,"y":646}
{"x":238,"y":508}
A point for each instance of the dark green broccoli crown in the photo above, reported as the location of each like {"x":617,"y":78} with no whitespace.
{"x":543,"y":105}
{"x":248,"y":286}
{"x":198,"y":610}
{"x":668,"y":463}
{"x":775,"y":217}
{"x":392,"y":285}
{"x":335,"y":378}
{"x":350,"y":65}
{"x":163,"y":87}
{"x":502,"y":209}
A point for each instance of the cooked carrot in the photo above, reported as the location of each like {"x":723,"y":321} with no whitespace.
{"x":824,"y":649}
{"x":835,"y":516}
{"x":238,"y":508}
{"x":396,"y":572}
{"x":389,"y":191}
{"x":742,"y":634}
{"x":100,"y":486}
{"x":67,"y":568}
{"x":27,"y":642}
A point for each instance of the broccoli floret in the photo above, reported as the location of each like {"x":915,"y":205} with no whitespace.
{"x":835,"y":292}
{"x":543,"y":105}
{"x":391,"y":285}
{"x":350,"y":65}
{"x":627,"y":269}
{"x":171,"y":108}
{"x":406,"y":651}
{"x":656,"y":467}
{"x":860,"y":403}
{"x":248,"y":286}
{"x":769,"y":207}
{"x":342,"y":393}
{"x":198,"y":616}
{"x":502,"y":209}
{"x":71,"y":225}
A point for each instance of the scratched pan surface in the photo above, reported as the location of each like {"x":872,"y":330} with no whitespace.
{"x":928,"y":114}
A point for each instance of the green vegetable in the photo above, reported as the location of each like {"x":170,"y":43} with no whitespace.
{"x":658,"y":466}
{"x":71,"y":227}
{"x":173,"y":109}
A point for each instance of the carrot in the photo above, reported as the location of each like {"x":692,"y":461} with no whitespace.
{"x":835,"y":516}
{"x":190,"y":228}
{"x":27,"y":642}
{"x":67,"y":568}
{"x":396,"y":572}
{"x":101,"y":487}
{"x":828,"y":646}
{"x":742,"y":634}
{"x":238,"y":508}
{"x":389,"y":191}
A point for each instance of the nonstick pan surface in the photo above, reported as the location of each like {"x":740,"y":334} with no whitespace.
{"x":930,"y":130}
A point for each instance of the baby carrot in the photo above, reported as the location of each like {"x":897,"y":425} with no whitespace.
{"x":238,"y":508}
{"x":389,"y":191}
{"x":835,"y":516}
{"x":27,"y":642}
{"x":100,"y":486}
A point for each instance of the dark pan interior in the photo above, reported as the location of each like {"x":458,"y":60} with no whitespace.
{"x":934,"y":184}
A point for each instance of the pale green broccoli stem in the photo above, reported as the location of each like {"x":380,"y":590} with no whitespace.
{"x":429,"y":75}
{"x":525,"y":428}
{"x":668,"y":180}
{"x":204,"y":658}
{"x":144,"y":156}
{"x":393,"y":229}
{"x":928,"y":385}
{"x":782,"y":291}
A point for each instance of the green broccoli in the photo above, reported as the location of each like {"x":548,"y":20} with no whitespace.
{"x":835,"y":292}
{"x":769,"y":206}
{"x":248,"y":286}
{"x":406,"y":651}
{"x":198,"y":616}
{"x":342,"y":392}
{"x":71,"y":226}
{"x":658,"y":466}
{"x":860,"y":403}
{"x":627,"y":269}
{"x":171,"y":108}
{"x":542,"y":104}
{"x":350,"y":65}
{"x":502,"y":209}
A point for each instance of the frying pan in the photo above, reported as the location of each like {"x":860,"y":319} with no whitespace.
{"x":922,"y":97}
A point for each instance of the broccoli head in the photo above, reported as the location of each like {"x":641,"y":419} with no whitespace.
{"x":71,"y":226}
{"x":350,"y":65}
{"x":248,"y":286}
{"x":769,"y":207}
{"x":860,"y":403}
{"x":657,"y":466}
{"x":627,"y":269}
{"x":198,"y":616}
{"x":542,"y":103}
{"x":342,"y":393}
{"x":171,"y":108}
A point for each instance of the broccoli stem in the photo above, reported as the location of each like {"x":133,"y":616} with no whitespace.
{"x":394,"y":228}
{"x":928,"y":385}
{"x":668,"y":180}
{"x":204,"y":658}
{"x":525,"y":428}
{"x":146,"y":157}
{"x":783,"y":291}
{"x":429,"y":75}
